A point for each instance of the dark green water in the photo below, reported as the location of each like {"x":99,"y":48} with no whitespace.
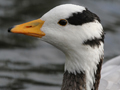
{"x":26,"y":63}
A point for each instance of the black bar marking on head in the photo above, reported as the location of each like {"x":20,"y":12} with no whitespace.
{"x":80,"y":18}
{"x":94,"y":42}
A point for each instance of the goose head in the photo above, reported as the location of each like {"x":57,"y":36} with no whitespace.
{"x":64,"y":25}
{"x":74,"y":30}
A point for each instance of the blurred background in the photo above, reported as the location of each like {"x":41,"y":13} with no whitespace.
{"x":26,"y":63}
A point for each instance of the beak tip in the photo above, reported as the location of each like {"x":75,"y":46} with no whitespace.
{"x":9,"y":29}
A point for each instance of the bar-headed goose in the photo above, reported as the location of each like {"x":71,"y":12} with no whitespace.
{"x":78,"y":33}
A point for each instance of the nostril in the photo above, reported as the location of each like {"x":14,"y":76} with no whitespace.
{"x":28,"y":26}
{"x":9,"y":29}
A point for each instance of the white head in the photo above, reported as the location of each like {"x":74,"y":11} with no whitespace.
{"x":77,"y":32}
{"x":71,"y":37}
{"x":59,"y":35}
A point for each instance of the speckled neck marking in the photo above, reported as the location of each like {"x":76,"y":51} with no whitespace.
{"x":97,"y":75}
{"x":74,"y":82}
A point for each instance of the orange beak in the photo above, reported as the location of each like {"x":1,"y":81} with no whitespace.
{"x":31,"y":28}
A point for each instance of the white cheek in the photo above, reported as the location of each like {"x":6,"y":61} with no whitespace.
{"x":56,"y":34}
{"x":52,"y":32}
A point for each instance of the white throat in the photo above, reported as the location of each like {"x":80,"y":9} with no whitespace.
{"x":84,"y":59}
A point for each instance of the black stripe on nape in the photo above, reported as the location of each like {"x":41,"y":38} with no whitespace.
{"x":80,"y":18}
{"x":74,"y":82}
{"x":95,"y":41}
{"x":97,"y":75}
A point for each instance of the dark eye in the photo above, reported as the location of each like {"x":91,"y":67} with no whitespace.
{"x":62,"y":22}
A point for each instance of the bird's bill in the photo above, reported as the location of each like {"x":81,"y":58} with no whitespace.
{"x":32,"y":28}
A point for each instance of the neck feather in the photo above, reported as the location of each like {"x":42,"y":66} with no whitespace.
{"x":74,"y":82}
{"x":78,"y":81}
{"x":85,"y":63}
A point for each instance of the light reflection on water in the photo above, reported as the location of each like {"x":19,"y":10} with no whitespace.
{"x":28,"y":64}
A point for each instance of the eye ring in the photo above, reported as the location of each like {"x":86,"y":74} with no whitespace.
{"x":62,"y":22}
